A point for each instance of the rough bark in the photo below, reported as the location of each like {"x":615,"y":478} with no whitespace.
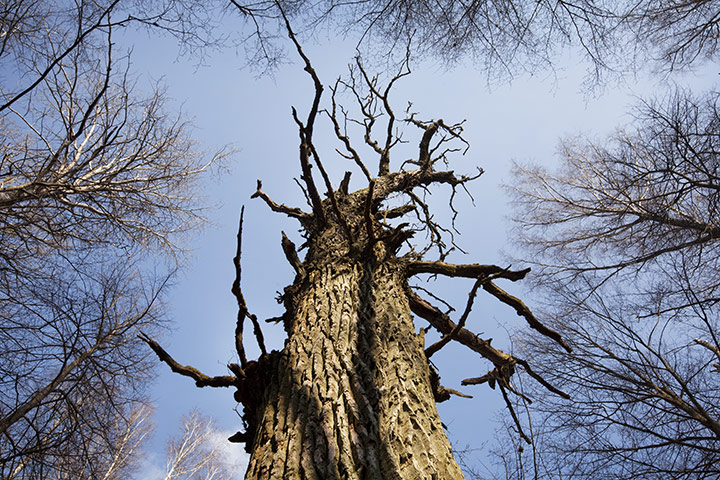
{"x":350,"y":396}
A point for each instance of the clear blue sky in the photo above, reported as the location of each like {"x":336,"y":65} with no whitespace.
{"x":520,"y":121}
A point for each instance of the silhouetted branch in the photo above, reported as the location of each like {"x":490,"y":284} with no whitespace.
{"x":342,"y":136}
{"x":201,"y":380}
{"x":237,"y":292}
{"x":523,"y":311}
{"x":306,"y":130}
{"x":461,"y":323}
{"x":280,"y":208}
{"x":509,"y":406}
{"x":464,"y":270}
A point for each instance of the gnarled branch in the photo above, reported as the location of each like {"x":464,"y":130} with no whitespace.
{"x":279,"y":208}
{"x":201,"y":380}
{"x":464,"y":270}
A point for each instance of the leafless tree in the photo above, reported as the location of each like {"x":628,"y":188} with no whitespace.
{"x":676,"y":33}
{"x":94,"y":179}
{"x":198,"y":453}
{"x":627,"y":237}
{"x":507,"y":37}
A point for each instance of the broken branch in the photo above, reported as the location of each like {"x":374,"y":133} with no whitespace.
{"x":237,"y":292}
{"x":464,"y":270}
{"x":279,"y":208}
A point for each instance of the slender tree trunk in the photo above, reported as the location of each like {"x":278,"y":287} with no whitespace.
{"x":349,"y":396}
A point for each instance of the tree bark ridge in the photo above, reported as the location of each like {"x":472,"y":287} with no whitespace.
{"x":351,"y":395}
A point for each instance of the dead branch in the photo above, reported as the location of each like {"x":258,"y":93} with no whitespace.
{"x":523,"y":311}
{"x":242,"y":306}
{"x":504,"y":363}
{"x":279,"y":208}
{"x":427,"y":292}
{"x":406,"y":180}
{"x":424,"y":154}
{"x":540,"y":379}
{"x":435,"y":347}
{"x":445,"y":325}
{"x":331,"y":195}
{"x":509,"y":406}
{"x":237,"y":292}
{"x":425,"y":157}
{"x":464,"y":270}
{"x":201,"y":380}
{"x":435,"y":230}
{"x":257,"y":331}
{"x":390,"y":138}
{"x":306,"y":130}
{"x":440,"y":392}
{"x":305,"y":152}
{"x":291,"y":254}
{"x":396,"y":212}
{"x":353,"y":154}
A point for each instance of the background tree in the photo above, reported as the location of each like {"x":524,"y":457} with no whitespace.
{"x":197,"y":454}
{"x":627,"y":237}
{"x":507,"y":38}
{"x":94,"y":179}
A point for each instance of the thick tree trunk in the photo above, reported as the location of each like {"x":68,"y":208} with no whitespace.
{"x":349,"y":396}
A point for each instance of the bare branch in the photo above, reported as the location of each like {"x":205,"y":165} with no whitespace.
{"x":432,"y":349}
{"x":237,"y":292}
{"x":201,"y":380}
{"x":523,"y":311}
{"x":446,"y":326}
{"x":468,"y":271}
{"x":291,"y":254}
{"x":509,"y":406}
{"x":396,"y":212}
{"x":342,"y":136}
{"x":280,"y":208}
{"x":331,"y":195}
{"x":306,"y":130}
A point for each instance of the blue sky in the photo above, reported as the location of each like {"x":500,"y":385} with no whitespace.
{"x":518,"y":121}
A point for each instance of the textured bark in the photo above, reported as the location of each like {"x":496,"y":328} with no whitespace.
{"x":349,"y":396}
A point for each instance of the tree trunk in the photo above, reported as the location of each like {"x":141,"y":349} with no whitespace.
{"x":350,"y":396}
